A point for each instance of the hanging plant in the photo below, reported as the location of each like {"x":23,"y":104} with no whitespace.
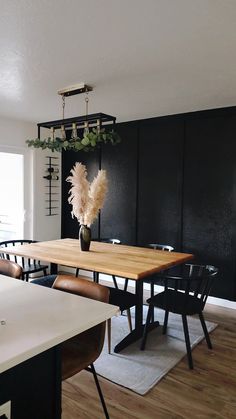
{"x":90,"y":140}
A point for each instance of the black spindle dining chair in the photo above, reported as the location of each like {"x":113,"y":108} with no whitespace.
{"x":152,"y":281}
{"x":185,"y":294}
{"x":96,"y":274}
{"x":29,"y":266}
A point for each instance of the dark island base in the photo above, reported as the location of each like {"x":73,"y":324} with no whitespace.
{"x":34,"y":387}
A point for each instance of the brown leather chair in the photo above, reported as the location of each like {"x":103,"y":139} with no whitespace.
{"x":9,"y":268}
{"x":121,"y":298}
{"x":81,"y":351}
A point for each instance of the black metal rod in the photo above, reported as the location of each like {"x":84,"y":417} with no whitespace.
{"x":91,"y":118}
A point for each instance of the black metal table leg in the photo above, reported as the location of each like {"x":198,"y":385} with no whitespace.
{"x":53,"y":268}
{"x":137,"y":333}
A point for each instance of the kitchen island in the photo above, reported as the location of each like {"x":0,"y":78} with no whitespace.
{"x":34,"y":321}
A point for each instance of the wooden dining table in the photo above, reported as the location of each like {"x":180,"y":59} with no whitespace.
{"x":132,"y":262}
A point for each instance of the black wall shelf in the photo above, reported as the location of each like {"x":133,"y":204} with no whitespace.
{"x":52,"y":191}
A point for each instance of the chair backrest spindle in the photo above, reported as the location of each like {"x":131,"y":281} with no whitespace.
{"x":195,"y":282}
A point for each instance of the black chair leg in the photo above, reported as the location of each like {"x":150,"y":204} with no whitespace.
{"x":187,"y":341}
{"x":77,"y":272}
{"x":96,"y":277}
{"x":45,"y":272}
{"x":152,"y":295}
{"x":207,"y":337}
{"x":165,"y":322}
{"x":145,"y":332}
{"x":126,"y":285}
{"x":115,"y":281}
{"x":99,"y":391}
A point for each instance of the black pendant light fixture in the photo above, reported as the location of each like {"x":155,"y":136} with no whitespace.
{"x":81,"y":133}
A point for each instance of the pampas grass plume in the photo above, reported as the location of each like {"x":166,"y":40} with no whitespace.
{"x":97,"y":192}
{"x":79,"y":192}
{"x":86,"y":199}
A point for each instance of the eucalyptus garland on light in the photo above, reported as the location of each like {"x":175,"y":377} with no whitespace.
{"x":89,"y":141}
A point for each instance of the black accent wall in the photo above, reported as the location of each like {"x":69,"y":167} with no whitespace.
{"x":160,"y":182}
{"x":118,"y":218}
{"x":172,"y":181}
{"x":209,"y":194}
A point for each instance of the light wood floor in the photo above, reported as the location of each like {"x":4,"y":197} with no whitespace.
{"x":209,"y":391}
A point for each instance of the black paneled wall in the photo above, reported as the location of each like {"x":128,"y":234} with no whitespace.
{"x":172,"y":181}
{"x":209,"y":194}
{"x":118,"y":216}
{"x":160,"y":182}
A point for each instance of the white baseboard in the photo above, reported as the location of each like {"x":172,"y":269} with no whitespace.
{"x":158,"y":288}
{"x":221,"y":302}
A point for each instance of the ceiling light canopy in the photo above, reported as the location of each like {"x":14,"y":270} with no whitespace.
{"x":81,"y":133}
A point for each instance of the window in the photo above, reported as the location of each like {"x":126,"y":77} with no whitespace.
{"x":11,"y":196}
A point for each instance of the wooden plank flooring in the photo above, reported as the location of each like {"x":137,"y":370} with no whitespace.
{"x":209,"y":391}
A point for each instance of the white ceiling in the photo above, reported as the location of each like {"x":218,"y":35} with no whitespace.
{"x":144,"y":58}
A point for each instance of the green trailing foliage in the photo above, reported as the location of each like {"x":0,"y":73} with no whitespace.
{"x":89,"y":141}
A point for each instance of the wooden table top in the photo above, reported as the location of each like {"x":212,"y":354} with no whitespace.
{"x":120,"y":260}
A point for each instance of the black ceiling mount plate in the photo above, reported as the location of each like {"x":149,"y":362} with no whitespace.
{"x":75,"y":90}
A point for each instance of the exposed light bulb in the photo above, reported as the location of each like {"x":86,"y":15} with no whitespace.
{"x":86,"y":127}
{"x":74,"y":131}
{"x":63,"y":133}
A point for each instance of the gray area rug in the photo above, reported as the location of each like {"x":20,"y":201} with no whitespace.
{"x":139,"y":370}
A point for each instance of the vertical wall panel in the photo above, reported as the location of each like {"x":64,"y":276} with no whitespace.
{"x":160,"y":182}
{"x":209,"y":195}
{"x":118,"y":217}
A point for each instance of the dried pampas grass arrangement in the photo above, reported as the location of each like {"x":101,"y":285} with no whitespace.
{"x":86,"y":199}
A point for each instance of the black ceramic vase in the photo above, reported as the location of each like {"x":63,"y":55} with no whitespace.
{"x":84,"y":237}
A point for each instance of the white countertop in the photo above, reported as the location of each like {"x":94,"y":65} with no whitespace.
{"x":37,"y":318}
